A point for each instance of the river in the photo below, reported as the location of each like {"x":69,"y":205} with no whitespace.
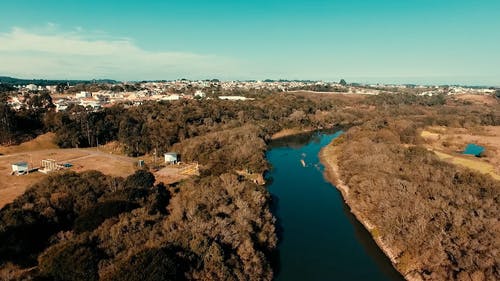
{"x":319,"y":237}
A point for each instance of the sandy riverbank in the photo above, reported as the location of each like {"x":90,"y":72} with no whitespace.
{"x":328,"y":157}
{"x":291,"y":132}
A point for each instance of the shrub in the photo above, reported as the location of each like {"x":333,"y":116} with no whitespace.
{"x":70,"y":261}
{"x":92,"y":218}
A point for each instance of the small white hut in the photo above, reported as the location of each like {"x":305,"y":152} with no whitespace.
{"x":20,"y":168}
{"x":171,"y":157}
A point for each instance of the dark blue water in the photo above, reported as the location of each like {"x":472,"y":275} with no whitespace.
{"x":319,"y":237}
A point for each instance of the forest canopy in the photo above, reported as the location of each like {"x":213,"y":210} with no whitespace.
{"x":218,"y":225}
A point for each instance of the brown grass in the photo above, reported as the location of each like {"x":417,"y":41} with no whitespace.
{"x":477,"y":99}
{"x":175,"y":173}
{"x":81,"y":159}
{"x":289,"y":132}
{"x":469,"y":162}
{"x":45,"y":141}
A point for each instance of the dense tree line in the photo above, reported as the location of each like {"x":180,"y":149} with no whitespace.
{"x":4,"y":88}
{"x":392,"y":99}
{"x":25,"y":123}
{"x":323,"y":88}
{"x":441,"y":220}
{"x":157,"y":126}
{"x":94,"y":227}
{"x":218,"y":226}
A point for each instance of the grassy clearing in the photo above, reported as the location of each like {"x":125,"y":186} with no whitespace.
{"x":82,"y":160}
{"x":471,"y":163}
{"x":428,"y":134}
{"x":448,"y":143}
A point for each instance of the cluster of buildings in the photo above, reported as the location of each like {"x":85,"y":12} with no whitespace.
{"x":209,"y":85}
{"x":458,"y":90}
{"x":107,"y":98}
{"x":108,"y":95}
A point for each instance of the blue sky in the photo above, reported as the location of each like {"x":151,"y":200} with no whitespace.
{"x":419,"y":41}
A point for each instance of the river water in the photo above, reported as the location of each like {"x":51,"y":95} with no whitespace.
{"x":319,"y":237}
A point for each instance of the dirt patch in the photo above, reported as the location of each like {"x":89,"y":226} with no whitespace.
{"x":13,"y":186}
{"x":448,"y":144}
{"x":107,"y":164}
{"x":175,"y":173}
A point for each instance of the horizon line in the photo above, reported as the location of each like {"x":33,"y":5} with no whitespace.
{"x":356,"y":81}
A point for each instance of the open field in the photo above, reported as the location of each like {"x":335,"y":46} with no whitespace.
{"x":107,"y":159}
{"x":448,"y":144}
{"x":470,"y":163}
{"x":477,"y":99}
{"x":12,"y":186}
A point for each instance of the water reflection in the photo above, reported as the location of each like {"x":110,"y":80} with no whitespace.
{"x":364,"y":238}
{"x":319,"y":237}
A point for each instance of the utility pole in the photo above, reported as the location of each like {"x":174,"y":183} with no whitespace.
{"x":155,"y":156}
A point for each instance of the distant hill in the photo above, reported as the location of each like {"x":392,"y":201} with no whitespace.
{"x":45,"y":82}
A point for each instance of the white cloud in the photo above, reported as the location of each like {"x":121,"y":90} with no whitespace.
{"x":53,"y":54}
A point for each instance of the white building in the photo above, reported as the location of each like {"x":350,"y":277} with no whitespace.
{"x":172,"y":97}
{"x":171,"y":157}
{"x":90,"y":103}
{"x":61,"y":107}
{"x":51,"y":88}
{"x":234,"y":98}
{"x":83,"y":95}
{"x":200,"y":94}
{"x":32,"y":87}
{"x":20,"y":168}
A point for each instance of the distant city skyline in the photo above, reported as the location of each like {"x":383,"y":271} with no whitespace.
{"x":379,"y":41}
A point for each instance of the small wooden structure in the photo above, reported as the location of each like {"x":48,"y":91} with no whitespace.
{"x":49,"y":165}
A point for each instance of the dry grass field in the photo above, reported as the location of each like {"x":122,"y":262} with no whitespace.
{"x":175,"y":173}
{"x":477,"y":99}
{"x":45,"y":141}
{"x":43,"y":147}
{"x":448,"y":144}
{"x":107,"y":159}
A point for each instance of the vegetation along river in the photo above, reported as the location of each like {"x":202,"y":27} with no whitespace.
{"x":319,"y":237}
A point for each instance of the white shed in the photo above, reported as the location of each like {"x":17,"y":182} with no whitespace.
{"x":171,"y":157}
{"x":199,"y":94}
{"x":20,"y":167}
